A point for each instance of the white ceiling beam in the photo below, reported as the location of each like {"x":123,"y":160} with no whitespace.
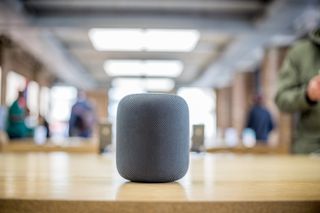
{"x":167,"y":5}
{"x":218,"y":24}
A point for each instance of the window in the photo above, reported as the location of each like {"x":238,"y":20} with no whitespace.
{"x":203,"y":113}
{"x":61,"y":98}
{"x":33,"y":98}
{"x":15,"y":83}
{"x":44,"y":101}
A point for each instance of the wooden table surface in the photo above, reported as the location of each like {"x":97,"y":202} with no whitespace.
{"x":257,"y":149}
{"x":71,"y":145}
{"x":61,"y":182}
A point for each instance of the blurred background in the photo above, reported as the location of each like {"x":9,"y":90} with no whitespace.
{"x":67,"y":64}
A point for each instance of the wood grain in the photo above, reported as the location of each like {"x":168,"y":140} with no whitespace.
{"x":61,"y":182}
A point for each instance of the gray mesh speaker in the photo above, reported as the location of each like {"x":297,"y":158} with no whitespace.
{"x":152,"y":138}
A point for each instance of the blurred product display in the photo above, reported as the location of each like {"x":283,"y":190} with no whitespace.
{"x":197,"y":139}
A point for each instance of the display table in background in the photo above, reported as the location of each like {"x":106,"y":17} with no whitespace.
{"x":71,"y":145}
{"x":257,"y":149}
{"x":62,"y":182}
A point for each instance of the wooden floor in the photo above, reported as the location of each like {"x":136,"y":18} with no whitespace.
{"x":61,"y":182}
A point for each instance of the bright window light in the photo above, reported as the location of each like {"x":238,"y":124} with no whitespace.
{"x":148,"y":84}
{"x":62,"y":99}
{"x":161,"y":68}
{"x":171,"y":40}
{"x":33,"y":97}
{"x":108,"y":39}
{"x":44,"y":101}
{"x":15,"y":83}
{"x":201,"y":103}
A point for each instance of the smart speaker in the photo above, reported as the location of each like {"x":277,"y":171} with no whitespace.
{"x":152,"y":133}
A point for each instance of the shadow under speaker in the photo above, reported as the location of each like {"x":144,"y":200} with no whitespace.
{"x":152,"y":137}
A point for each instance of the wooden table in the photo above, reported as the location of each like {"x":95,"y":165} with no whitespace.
{"x":71,"y":145}
{"x":257,"y":149}
{"x":61,"y":182}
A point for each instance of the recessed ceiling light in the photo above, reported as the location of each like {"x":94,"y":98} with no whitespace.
{"x":171,"y":40}
{"x":146,"y":84}
{"x":135,"y":39}
{"x":161,"y":68}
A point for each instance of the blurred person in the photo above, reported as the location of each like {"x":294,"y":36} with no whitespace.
{"x":16,"y":126}
{"x":82,"y":119}
{"x":43,"y":122}
{"x":299,"y":91}
{"x":260,"y":120}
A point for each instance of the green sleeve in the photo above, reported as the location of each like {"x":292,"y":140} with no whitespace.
{"x":291,"y":92}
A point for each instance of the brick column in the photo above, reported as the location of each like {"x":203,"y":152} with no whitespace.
{"x":224,"y":108}
{"x":242,"y":95}
{"x":271,"y":65}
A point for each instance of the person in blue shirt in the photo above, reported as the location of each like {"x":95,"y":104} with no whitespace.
{"x":260,"y":120}
{"x":82,"y":119}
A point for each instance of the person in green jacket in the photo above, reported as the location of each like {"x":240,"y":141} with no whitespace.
{"x":299,"y":91}
{"x":16,"y":127}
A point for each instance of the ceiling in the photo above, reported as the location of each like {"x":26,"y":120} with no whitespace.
{"x":232,"y":33}
{"x":76,"y":41}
